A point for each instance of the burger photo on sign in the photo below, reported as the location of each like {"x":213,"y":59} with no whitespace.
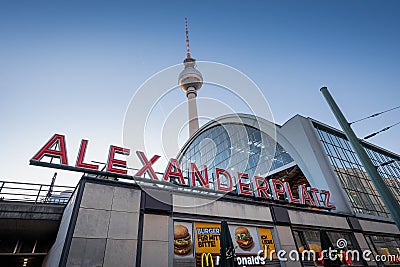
{"x":243,"y":238}
{"x":182,"y":240}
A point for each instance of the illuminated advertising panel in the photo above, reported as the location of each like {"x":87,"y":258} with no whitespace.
{"x":183,"y":240}
{"x":200,"y":241}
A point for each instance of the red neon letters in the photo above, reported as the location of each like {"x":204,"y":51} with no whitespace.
{"x":258,"y":187}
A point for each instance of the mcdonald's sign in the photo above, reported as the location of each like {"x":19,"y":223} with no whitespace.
{"x":207,"y":259}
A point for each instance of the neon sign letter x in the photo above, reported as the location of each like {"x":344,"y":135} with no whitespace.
{"x":147,"y":165}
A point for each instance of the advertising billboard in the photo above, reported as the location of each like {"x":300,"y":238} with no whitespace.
{"x":200,"y":241}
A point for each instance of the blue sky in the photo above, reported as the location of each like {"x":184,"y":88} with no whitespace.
{"x":71,"y":67}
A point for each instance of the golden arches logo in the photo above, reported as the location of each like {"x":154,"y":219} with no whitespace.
{"x":207,"y":259}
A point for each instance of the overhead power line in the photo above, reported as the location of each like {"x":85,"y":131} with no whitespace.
{"x":375,"y":115}
{"x":384,"y":129}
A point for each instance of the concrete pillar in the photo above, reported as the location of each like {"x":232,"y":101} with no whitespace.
{"x":287,"y":244}
{"x":155,"y":240}
{"x":364,"y":246}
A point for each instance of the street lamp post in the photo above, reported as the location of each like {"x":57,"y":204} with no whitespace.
{"x":388,"y":198}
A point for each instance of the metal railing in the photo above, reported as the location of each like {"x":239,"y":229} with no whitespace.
{"x":35,"y":193}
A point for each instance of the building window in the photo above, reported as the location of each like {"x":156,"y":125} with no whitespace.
{"x":385,"y":245}
{"x":355,"y":181}
{"x":390,"y":172}
{"x":307,"y":240}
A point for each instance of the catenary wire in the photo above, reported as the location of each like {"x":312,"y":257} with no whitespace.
{"x":375,"y":115}
{"x":384,"y":129}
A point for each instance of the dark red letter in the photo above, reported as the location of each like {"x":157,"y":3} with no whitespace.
{"x":261,"y":187}
{"x":304,"y":196}
{"x":173,"y":163}
{"x":314,"y":192}
{"x":81,"y":157}
{"x":227,"y":175}
{"x":147,"y":165}
{"x":195,"y":172}
{"x":244,"y":188}
{"x":61,"y":154}
{"x":117,"y":162}
{"x":275,"y":190}
{"x":289,"y":194}
{"x":327,"y":199}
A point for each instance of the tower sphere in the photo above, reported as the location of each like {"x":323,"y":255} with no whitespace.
{"x":190,"y":76}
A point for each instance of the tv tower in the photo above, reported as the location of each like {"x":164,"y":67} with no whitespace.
{"x":190,"y":80}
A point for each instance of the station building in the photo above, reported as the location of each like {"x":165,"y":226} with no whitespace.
{"x":146,"y":222}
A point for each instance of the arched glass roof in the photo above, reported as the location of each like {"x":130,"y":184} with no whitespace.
{"x":235,"y":148}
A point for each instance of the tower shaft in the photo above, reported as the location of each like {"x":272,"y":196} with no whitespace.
{"x":192,"y":108}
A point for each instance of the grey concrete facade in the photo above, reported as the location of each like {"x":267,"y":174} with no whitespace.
{"x":105,"y":227}
{"x":110,"y":223}
{"x":203,"y":206}
{"x":155,"y":240}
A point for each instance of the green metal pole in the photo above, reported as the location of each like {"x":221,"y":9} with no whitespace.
{"x":390,"y":201}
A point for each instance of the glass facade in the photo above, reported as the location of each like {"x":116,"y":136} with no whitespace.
{"x":390,"y":172}
{"x":235,"y":148}
{"x":358,"y":186}
{"x":385,"y":245}
{"x":311,"y":240}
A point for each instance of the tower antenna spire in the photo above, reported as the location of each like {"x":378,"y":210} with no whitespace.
{"x":187,"y":39}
